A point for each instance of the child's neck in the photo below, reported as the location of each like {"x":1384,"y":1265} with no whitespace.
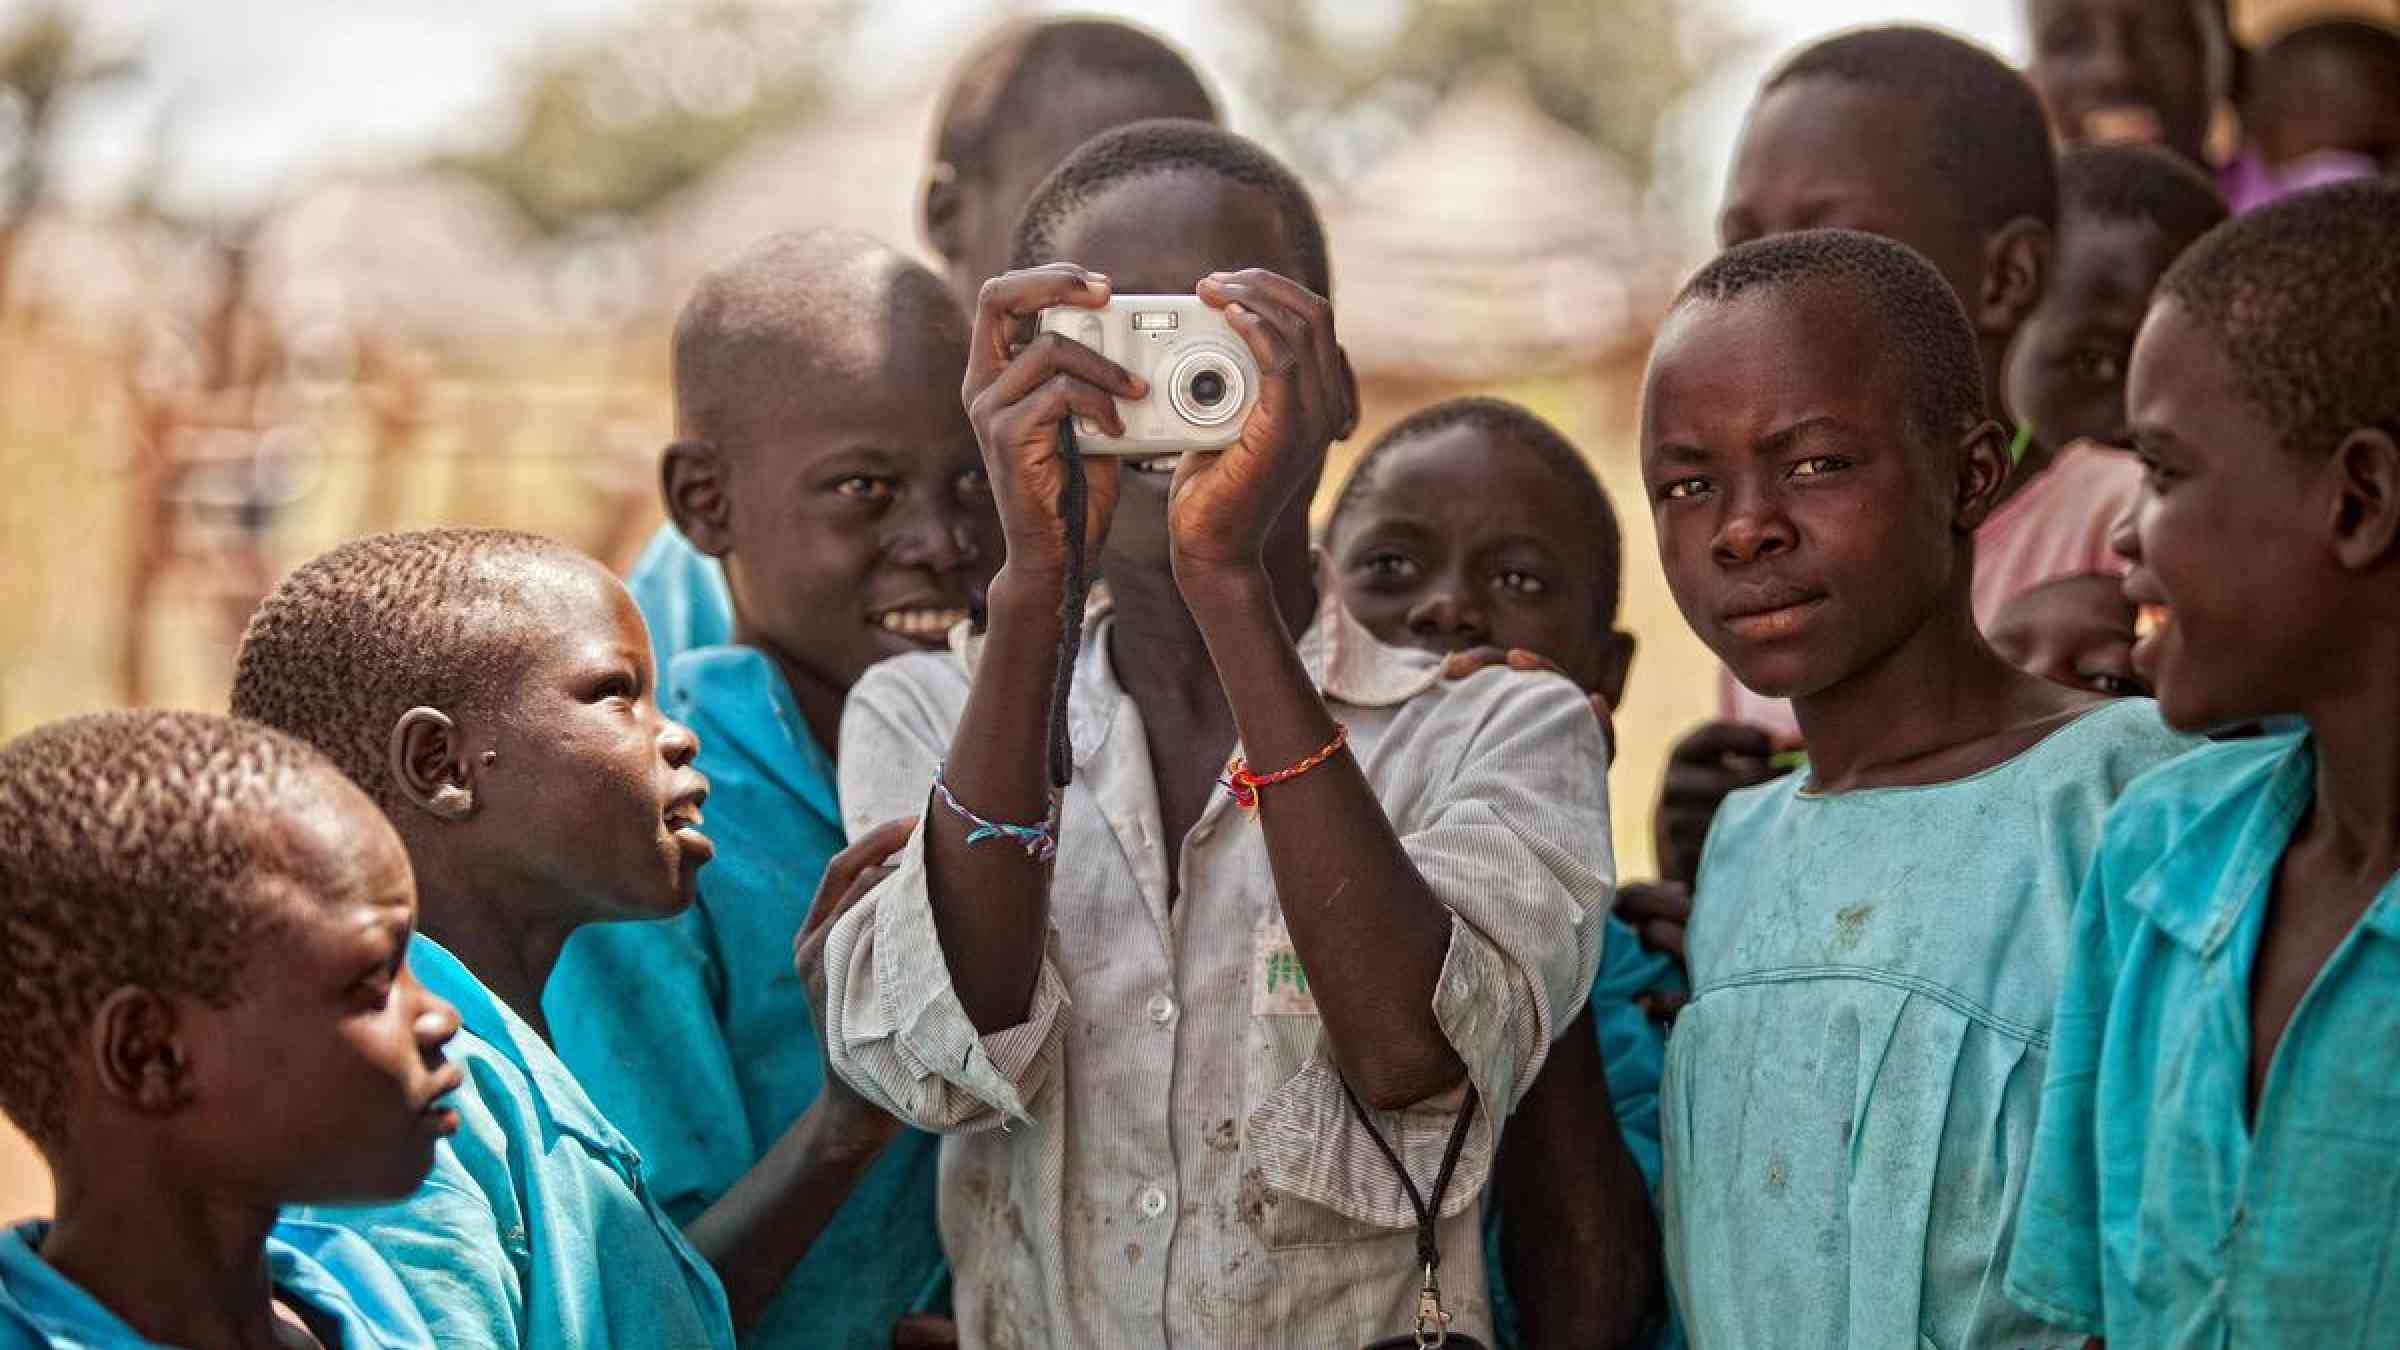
{"x":489,"y":929}
{"x":1158,"y":653}
{"x":819,"y":700}
{"x":1939,"y":706}
{"x":200,"y":1280}
{"x":2356,"y":813}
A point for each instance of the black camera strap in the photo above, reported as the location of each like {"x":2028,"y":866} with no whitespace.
{"x":1073,"y":500}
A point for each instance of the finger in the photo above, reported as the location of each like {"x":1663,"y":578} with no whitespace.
{"x":1305,"y":319}
{"x":1054,"y":354}
{"x":1055,"y":399}
{"x":1654,"y":900}
{"x":1459,"y":665}
{"x":870,"y":851}
{"x":1006,"y":306}
{"x":1277,"y":359}
{"x":1661,"y":935}
{"x":1721,"y":740}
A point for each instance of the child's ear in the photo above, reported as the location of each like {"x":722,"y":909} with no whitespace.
{"x":2016,"y":273}
{"x":944,"y":207}
{"x":691,"y":480}
{"x":2366,"y":498}
{"x":1983,"y":467}
{"x":138,"y":1049}
{"x":430,"y":764}
{"x":1616,"y":662}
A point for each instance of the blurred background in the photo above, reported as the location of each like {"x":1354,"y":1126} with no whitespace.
{"x":276,"y":272}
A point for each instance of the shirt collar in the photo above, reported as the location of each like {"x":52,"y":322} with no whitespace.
{"x":562,"y":1100}
{"x":2221,"y":860}
{"x":1345,"y":661}
{"x":738,"y":694}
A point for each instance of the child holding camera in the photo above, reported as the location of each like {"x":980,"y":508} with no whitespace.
{"x":1141,"y":1007}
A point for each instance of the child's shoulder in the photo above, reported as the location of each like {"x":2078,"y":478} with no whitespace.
{"x":2114,"y":742}
{"x":2205,"y":795}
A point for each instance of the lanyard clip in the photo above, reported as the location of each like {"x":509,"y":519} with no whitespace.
{"x":1433,"y":1325}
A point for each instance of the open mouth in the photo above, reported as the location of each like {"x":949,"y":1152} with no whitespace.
{"x":682,"y":818}
{"x":919,"y":623}
{"x":1162,"y":465}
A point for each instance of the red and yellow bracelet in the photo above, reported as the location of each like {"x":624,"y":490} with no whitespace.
{"x":1242,"y":785}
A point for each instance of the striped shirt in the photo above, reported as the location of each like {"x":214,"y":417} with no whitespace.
{"x":1162,"y":1153}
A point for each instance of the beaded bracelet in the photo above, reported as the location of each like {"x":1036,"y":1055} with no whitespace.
{"x":1243,"y":785}
{"x":1040,"y":842}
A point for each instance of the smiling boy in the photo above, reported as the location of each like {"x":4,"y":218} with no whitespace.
{"x":206,"y":1014}
{"x":2215,"y":1158}
{"x":821,"y":454}
{"x":1876,"y":941}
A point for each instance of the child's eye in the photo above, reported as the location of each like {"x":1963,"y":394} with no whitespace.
{"x":864,"y":487}
{"x":1389,"y":566}
{"x":614,"y":686}
{"x":1522,"y":582}
{"x":1816,"y":466}
{"x":1682,"y":488}
{"x":2115,"y":685}
{"x":2100,"y":365}
{"x":974,"y":485}
{"x":2155,"y":475}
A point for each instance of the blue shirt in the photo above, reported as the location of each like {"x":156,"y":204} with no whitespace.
{"x":2158,"y":1213}
{"x":682,"y":595}
{"x":693,"y":1033}
{"x":537,"y":1227}
{"x":1850,"y":1095}
{"x":325,"y":1270}
{"x":1632,"y":1055}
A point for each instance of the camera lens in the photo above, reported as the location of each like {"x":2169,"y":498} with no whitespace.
{"x":1206,"y":387}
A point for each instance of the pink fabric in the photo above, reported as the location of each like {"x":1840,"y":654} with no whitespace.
{"x":2057,"y":525}
{"x":2249,"y":182}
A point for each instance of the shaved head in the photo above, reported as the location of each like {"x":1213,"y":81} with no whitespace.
{"x":790,"y":320}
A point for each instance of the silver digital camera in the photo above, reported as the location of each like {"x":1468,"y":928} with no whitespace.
{"x":1203,"y":382}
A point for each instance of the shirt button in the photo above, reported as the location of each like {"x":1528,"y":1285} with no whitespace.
{"x":1153,"y":1202}
{"x":1162,"y":1009}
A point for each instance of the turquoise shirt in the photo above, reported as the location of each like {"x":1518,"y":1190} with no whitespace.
{"x":693,"y":1033}
{"x":2158,"y":1213}
{"x":537,"y":1227}
{"x":1632,"y":1054}
{"x":1850,"y":1096}
{"x":325,"y":1270}
{"x":682,"y":595}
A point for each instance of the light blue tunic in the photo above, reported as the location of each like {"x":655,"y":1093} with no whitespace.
{"x":682,"y":595}
{"x":2157,"y":1213}
{"x":1850,"y":1096}
{"x":693,"y":1033}
{"x":332,"y":1273}
{"x":537,"y":1227}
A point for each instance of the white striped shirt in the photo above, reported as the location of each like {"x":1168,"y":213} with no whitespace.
{"x":1162,"y":1154}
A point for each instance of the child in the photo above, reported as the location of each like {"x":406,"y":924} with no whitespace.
{"x":1136,"y":1009}
{"x":2323,"y":106}
{"x":1876,"y":940}
{"x":1920,"y":137}
{"x":1474,"y":524}
{"x":1013,"y":109}
{"x":822,"y":455}
{"x":2214,"y":1161}
{"x":2145,"y":71}
{"x":493,"y":692}
{"x":2075,"y":631}
{"x":2125,"y":213}
{"x":207,"y":1013}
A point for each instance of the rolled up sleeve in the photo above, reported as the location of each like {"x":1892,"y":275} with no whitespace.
{"x":894,"y":1024}
{"x":1510,"y":829}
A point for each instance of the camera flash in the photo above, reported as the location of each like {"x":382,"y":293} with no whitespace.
{"x":1154,"y":321}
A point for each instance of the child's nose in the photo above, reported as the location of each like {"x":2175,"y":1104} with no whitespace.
{"x":679,"y":743}
{"x":437,"y":1021}
{"x":1752,"y":530}
{"x":934,"y":537}
{"x":1445,"y":612}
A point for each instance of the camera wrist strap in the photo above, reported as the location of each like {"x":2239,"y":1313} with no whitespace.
{"x":1073,"y":495}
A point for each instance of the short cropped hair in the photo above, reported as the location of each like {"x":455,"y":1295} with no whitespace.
{"x":1923,"y":323}
{"x":2139,"y":183}
{"x":1513,"y":422}
{"x":794,"y":306}
{"x":1000,"y":83}
{"x":2303,"y":298}
{"x":2375,"y":44}
{"x":1991,"y":142}
{"x":136,"y":848}
{"x":357,"y":636}
{"x":1168,"y":145}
